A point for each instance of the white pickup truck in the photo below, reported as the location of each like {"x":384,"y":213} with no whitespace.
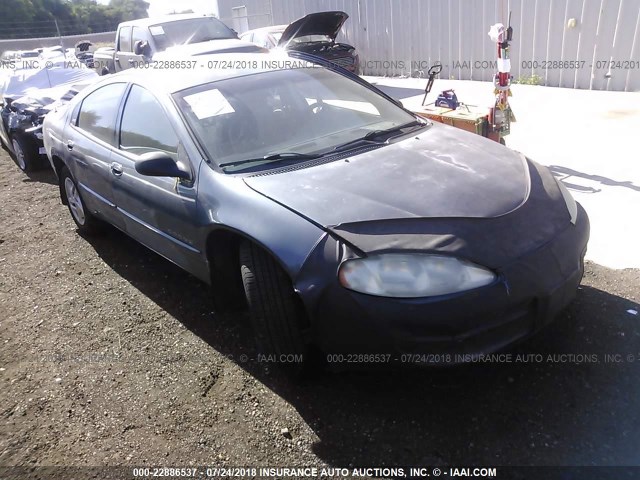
{"x":139,"y":42}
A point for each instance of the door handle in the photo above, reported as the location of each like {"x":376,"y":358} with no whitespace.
{"x":116,"y":169}
{"x":70,"y":145}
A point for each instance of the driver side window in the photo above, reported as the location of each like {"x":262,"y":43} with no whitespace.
{"x":145,"y":126}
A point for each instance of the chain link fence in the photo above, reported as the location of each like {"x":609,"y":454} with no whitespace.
{"x":52,"y":28}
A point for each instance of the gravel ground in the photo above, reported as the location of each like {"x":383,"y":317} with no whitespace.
{"x":111,"y":355}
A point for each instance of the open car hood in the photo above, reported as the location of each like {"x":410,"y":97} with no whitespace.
{"x":442,"y":172}
{"x":321,"y":23}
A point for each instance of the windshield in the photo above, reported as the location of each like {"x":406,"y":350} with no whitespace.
{"x":194,"y":30}
{"x":304,"y":110}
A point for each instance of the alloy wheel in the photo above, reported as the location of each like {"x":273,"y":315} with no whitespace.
{"x":75,"y":202}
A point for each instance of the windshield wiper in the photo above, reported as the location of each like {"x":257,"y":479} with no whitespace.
{"x":273,"y":157}
{"x":374,"y":135}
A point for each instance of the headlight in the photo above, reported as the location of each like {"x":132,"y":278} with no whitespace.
{"x":412,"y":275}
{"x":572,"y":206}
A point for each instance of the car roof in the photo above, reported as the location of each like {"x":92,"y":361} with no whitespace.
{"x":174,"y":80}
{"x":146,"y":22}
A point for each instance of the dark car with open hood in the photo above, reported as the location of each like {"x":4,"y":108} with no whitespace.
{"x":315,"y":34}
{"x":345,"y":223}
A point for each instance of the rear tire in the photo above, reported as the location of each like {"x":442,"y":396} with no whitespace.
{"x":274,"y":309}
{"x":84,"y":220}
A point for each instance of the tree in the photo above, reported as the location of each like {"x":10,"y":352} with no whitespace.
{"x":36,"y":18}
{"x":130,"y":9}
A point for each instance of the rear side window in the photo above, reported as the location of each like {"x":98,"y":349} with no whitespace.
{"x":98,"y":111}
{"x":145,"y":126}
{"x":125,"y":39}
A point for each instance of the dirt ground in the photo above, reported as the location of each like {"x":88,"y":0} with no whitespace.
{"x":110,"y":355}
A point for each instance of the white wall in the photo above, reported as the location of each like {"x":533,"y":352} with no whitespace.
{"x":401,"y":37}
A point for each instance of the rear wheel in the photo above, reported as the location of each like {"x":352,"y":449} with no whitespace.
{"x":83,"y":219}
{"x":274,"y":308}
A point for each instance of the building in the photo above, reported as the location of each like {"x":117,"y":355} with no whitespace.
{"x":590,"y":44}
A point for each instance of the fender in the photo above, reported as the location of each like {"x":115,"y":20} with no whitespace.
{"x":232,"y":205}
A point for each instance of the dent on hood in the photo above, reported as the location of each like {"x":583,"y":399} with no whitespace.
{"x":441,"y":173}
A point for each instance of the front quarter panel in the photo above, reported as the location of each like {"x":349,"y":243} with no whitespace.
{"x":228,"y":203}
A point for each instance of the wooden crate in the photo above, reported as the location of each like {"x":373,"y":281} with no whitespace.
{"x":468,"y":120}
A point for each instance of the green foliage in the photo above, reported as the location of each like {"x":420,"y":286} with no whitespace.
{"x":36,"y":18}
{"x":530,"y":80}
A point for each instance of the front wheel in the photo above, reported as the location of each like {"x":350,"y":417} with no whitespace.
{"x":83,"y":219}
{"x":25,"y":154}
{"x":275,"y":310}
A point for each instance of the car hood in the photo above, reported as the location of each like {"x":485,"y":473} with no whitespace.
{"x":45,"y":100}
{"x":442,"y":172}
{"x":43,"y":81}
{"x":230,"y":45}
{"x":322,"y":23}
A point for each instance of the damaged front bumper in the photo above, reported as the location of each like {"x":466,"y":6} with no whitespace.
{"x":355,"y":328}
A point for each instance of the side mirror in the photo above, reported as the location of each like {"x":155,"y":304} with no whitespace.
{"x":141,"y":48}
{"x":160,"y":164}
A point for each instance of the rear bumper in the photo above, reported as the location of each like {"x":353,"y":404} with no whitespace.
{"x":454,"y":329}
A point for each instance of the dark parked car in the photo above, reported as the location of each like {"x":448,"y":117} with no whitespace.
{"x":84,"y":52}
{"x":346,"y":221}
{"x":315,"y":34}
{"x":26,"y":96}
{"x":22,"y":121}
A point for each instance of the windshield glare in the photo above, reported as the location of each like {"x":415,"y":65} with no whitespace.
{"x":194,"y":30}
{"x":303,"y":110}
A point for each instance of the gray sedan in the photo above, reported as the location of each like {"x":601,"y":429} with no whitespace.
{"x":344,"y":222}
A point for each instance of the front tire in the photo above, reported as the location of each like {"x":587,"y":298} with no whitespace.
{"x":275,"y":310}
{"x":25,"y":154}
{"x":83,"y":219}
